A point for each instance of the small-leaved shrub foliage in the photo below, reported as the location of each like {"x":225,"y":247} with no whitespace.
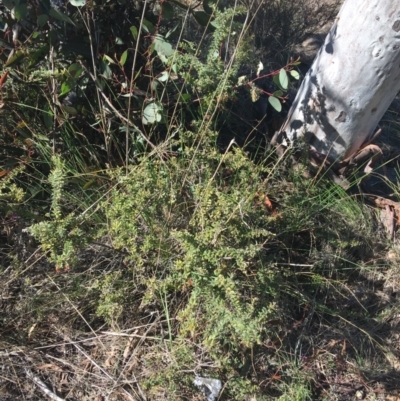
{"x":60,"y":235}
{"x":192,"y":226}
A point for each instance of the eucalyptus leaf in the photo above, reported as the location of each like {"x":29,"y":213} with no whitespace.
{"x":275,"y":103}
{"x":202,"y":18}
{"x":134,"y":32}
{"x":184,"y":97}
{"x":148,"y":27}
{"x":109,"y":59}
{"x":283,"y":79}
{"x":153,"y":113}
{"x":75,"y":70}
{"x":70,"y":110}
{"x":163,"y":76}
{"x":161,"y":46}
{"x":173,"y":32}
{"x":213,"y":25}
{"x":60,"y":16}
{"x":20,"y":11}
{"x":208,"y":6}
{"x":77,"y":3}
{"x":17,"y":57}
{"x":42,"y":19}
{"x":276,"y":81}
{"x":295,"y":74}
{"x":123,"y":58}
{"x":105,"y":69}
{"x":66,"y":87}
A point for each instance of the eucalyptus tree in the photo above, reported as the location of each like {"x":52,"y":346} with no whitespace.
{"x":351,"y":83}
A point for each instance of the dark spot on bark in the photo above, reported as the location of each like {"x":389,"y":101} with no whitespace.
{"x":395,"y":47}
{"x":396,"y":26}
{"x":341,"y":117}
{"x":377,"y":18}
{"x":296,"y":124}
{"x":373,"y":110}
{"x":381,"y":39}
{"x":329,"y":48}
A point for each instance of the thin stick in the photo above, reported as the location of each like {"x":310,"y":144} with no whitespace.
{"x":42,"y":386}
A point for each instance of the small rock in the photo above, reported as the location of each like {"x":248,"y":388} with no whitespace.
{"x":209,"y":387}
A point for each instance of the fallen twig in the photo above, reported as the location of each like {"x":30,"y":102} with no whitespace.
{"x":42,"y":386}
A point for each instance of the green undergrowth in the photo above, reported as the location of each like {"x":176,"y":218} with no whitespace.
{"x":236,"y":256}
{"x":202,"y":248}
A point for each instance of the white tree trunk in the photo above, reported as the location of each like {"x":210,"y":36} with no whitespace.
{"x":354,"y":78}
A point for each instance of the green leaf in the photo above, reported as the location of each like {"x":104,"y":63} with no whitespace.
{"x":207,"y":5}
{"x":201,"y":17}
{"x":109,"y":59}
{"x":66,"y":87}
{"x":20,"y":11}
{"x":283,"y":79}
{"x":134,"y":32}
{"x":105,"y":69}
{"x":148,"y":27}
{"x":275,"y":103}
{"x":118,"y":41}
{"x":47,"y":117}
{"x":184,"y":97}
{"x":167,"y":11}
{"x":75,"y":70}
{"x":173,"y":32}
{"x":152,"y":113}
{"x":42,"y":19}
{"x":277,"y":94}
{"x":60,"y":16}
{"x":17,"y":57}
{"x":163,"y":76}
{"x":77,"y":3}
{"x":276,"y":82}
{"x":123,"y":58}
{"x":214,"y":25}
{"x":70,"y":110}
{"x":295,"y":74}
{"x":162,"y":47}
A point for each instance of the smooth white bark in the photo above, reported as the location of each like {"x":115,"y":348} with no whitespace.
{"x":353,"y":80}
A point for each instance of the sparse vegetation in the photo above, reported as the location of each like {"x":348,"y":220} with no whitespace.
{"x":149,"y":233}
